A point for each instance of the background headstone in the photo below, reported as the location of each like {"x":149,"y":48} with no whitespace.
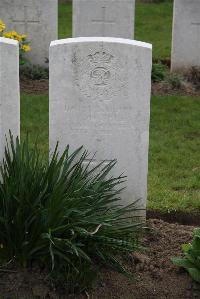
{"x":9,"y":91}
{"x":186,"y":35}
{"x":113,"y":18}
{"x":100,"y":98}
{"x":36,"y":18}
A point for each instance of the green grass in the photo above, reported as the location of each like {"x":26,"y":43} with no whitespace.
{"x":65,"y":20}
{"x":153,"y":24}
{"x":34,"y":120}
{"x":174,"y":169}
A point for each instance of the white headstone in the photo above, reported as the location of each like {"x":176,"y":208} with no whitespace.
{"x":36,"y":18}
{"x":100,"y":98}
{"x":113,"y":18}
{"x":9,"y":91}
{"x":186,"y":35}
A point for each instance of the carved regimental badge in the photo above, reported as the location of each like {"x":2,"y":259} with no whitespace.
{"x":100,"y":72}
{"x":99,"y":75}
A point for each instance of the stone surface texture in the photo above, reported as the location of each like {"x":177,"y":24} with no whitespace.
{"x":36,"y":18}
{"x":113,"y":18}
{"x":186,"y":35}
{"x":100,"y":98}
{"x":9,"y":91}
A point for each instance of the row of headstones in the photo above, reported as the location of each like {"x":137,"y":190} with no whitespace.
{"x":99,"y":98}
{"x":114,"y":18}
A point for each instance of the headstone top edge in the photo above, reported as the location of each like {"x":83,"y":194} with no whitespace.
{"x":128,"y":1}
{"x":8,"y":41}
{"x":105,"y":0}
{"x":101,"y":39}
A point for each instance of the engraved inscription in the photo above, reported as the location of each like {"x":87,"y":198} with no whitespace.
{"x":195,"y":23}
{"x":98,"y":161}
{"x":103,"y":21}
{"x":92,"y":163}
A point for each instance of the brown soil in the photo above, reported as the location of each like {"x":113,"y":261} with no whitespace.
{"x":185,"y":218}
{"x":165,"y":89}
{"x":64,"y":1}
{"x":160,"y":89}
{"x":35,"y":86}
{"x":155,"y":277}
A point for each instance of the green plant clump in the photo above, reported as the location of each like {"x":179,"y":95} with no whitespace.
{"x":191,"y":261}
{"x":175,"y":80}
{"x":193,"y":76}
{"x":34,"y":72}
{"x":159,"y":72}
{"x":64,"y":215}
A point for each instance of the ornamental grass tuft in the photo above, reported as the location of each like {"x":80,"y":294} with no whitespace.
{"x":64,"y":215}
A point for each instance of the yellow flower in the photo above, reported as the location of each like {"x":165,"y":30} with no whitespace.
{"x":2,"y":26}
{"x":13,"y":35}
{"x":23,"y":37}
{"x":25,"y":48}
{"x":1,"y":246}
{"x":9,"y":34}
{"x":17,"y":37}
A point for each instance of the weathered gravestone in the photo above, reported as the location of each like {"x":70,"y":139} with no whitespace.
{"x":99,"y":98}
{"x":113,"y":18}
{"x":36,"y":18}
{"x":186,"y":35}
{"x":9,"y":91}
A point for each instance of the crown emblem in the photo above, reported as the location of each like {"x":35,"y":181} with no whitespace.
{"x":100,"y":57}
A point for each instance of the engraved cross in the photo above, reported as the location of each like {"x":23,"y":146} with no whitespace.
{"x":103,"y":21}
{"x":25,"y":20}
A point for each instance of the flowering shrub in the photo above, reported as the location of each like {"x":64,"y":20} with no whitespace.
{"x":21,"y":38}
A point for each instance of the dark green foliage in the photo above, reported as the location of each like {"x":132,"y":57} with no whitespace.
{"x":22,"y":59}
{"x":159,"y":72}
{"x":193,"y":76}
{"x":161,"y":1}
{"x":63,"y":215}
{"x":154,"y":1}
{"x":175,"y":80}
{"x":34,"y":72}
{"x":191,"y":260}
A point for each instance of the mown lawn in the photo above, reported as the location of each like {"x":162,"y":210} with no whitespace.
{"x":34,"y":120}
{"x":153,"y":24}
{"x":174,"y":159}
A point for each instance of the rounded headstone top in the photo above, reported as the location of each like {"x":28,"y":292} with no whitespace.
{"x":101,"y":39}
{"x":8,"y":41}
